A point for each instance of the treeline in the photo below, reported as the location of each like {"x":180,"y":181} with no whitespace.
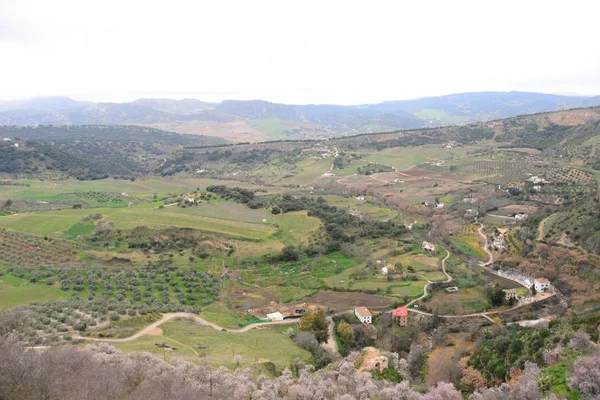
{"x":236,"y":194}
{"x":373,"y":168}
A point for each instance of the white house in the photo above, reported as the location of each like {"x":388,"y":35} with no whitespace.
{"x":363,"y":315}
{"x":276,"y":316}
{"x":440,"y":205}
{"x":428,"y":246}
{"x":387,"y":269}
{"x":541,"y":284}
{"x":7,"y":139}
{"x":521,"y":217}
{"x":360,"y":198}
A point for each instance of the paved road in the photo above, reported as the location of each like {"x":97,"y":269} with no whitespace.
{"x":194,"y":317}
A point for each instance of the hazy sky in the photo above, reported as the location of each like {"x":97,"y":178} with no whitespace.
{"x":288,"y":51}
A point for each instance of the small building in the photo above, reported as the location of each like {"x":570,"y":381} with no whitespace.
{"x":189,"y":197}
{"x":440,"y":205}
{"x":276,"y":316}
{"x":363,"y":315}
{"x":541,"y":284}
{"x":387,"y":269}
{"x":521,"y":217}
{"x":428,"y":246}
{"x":510,"y":294}
{"x":452,"y":289}
{"x":7,"y":139}
{"x":360,"y":198}
{"x":401,"y":314}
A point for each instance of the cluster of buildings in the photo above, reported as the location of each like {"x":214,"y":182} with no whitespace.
{"x":400,"y":314}
{"x":433,"y":204}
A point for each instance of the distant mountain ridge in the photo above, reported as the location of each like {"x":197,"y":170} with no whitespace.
{"x":335,"y":119}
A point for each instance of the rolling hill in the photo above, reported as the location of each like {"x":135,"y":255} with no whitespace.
{"x":256,"y":120}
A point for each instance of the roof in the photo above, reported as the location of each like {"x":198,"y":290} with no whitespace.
{"x":427,"y":244}
{"x":390,"y":266}
{"x":400,"y":312}
{"x":502,"y":230}
{"x":362,"y":311}
{"x":542,"y":280}
{"x":275,"y":315}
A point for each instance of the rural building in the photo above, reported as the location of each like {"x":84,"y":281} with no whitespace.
{"x":452,"y":289}
{"x":440,"y":205}
{"x":387,"y":269}
{"x":510,"y":294}
{"x":541,"y":284}
{"x":189,"y":197}
{"x":363,"y":315}
{"x":401,"y":314}
{"x":521,"y":217}
{"x":276,"y":316}
{"x":428,"y":246}
{"x":360,"y":198}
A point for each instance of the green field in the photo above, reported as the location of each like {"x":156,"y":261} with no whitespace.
{"x":55,"y":223}
{"x":271,"y":127}
{"x":295,"y":226}
{"x":15,"y":291}
{"x":369,"y":207}
{"x":255,"y":346}
{"x":441,"y":115}
{"x":468,"y":245}
{"x":307,"y":171}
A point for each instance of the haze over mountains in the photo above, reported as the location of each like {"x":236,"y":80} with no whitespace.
{"x":252,"y":120}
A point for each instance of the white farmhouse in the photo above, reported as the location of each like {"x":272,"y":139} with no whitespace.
{"x":521,"y":216}
{"x":428,"y":246}
{"x":363,"y":315}
{"x":541,"y":285}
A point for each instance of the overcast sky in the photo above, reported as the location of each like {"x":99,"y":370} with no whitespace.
{"x":324,"y":51}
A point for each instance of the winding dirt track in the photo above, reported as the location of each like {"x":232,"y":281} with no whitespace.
{"x":428,"y":282}
{"x":194,"y":317}
{"x":331,"y":344}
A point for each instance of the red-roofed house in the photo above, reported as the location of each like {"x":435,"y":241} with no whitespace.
{"x":401,"y":314}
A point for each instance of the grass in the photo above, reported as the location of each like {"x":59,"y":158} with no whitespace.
{"x":80,"y":229}
{"x":468,"y":245}
{"x":307,"y":171}
{"x":441,"y":115}
{"x":124,"y":327}
{"x":226,"y":210}
{"x":193,"y":341}
{"x":56,"y":223}
{"x":368,"y":207}
{"x":271,"y":127}
{"x":15,"y":291}
{"x":295,"y":226}
{"x":220,"y":314}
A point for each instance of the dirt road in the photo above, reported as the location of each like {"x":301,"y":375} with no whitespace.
{"x":331,"y":343}
{"x":541,"y":227}
{"x":410,"y":303}
{"x":194,"y":317}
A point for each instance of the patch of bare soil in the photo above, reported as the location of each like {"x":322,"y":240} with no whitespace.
{"x":154,"y":332}
{"x":346,"y":300}
{"x":442,"y":362}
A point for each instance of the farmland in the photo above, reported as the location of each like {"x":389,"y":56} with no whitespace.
{"x":234,"y":233}
{"x":204,"y":344}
